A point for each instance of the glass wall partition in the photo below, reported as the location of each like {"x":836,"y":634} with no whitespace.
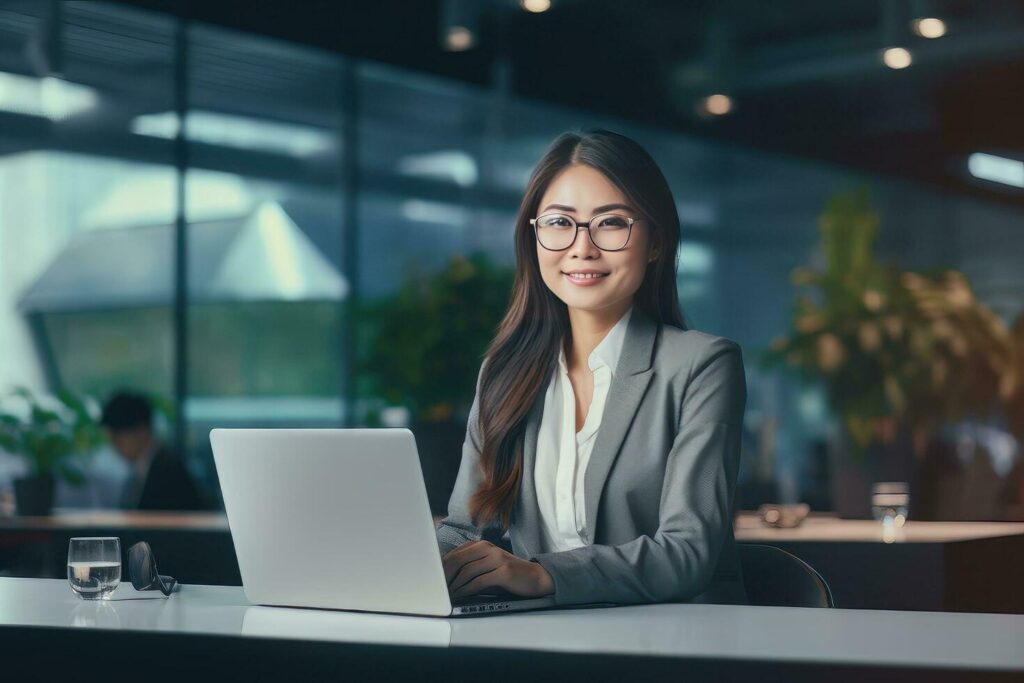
{"x":87,"y":207}
{"x":266,"y":282}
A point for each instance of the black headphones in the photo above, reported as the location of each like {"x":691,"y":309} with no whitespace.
{"x":142,"y":571}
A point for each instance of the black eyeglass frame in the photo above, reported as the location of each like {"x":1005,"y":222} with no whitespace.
{"x":143,"y":572}
{"x":629,"y":227}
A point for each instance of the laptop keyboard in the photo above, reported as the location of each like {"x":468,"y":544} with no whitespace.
{"x":487,"y":601}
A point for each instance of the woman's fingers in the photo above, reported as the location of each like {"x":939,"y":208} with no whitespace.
{"x":490,"y":579}
{"x":471,"y":570}
{"x":467,"y":552}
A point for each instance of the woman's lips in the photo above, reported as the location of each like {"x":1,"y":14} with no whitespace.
{"x":585,"y":282}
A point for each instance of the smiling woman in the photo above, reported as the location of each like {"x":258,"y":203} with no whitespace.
{"x":604,"y":436}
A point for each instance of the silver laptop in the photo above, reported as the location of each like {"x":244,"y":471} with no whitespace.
{"x":337,"y":519}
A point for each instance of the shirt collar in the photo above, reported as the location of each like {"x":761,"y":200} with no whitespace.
{"x":607,"y":352}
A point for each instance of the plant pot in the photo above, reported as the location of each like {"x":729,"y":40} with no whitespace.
{"x":33,"y":496}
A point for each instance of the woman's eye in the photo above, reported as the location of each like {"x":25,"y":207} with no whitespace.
{"x":612,"y":222}
{"x":556,"y":222}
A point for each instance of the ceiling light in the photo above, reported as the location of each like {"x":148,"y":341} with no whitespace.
{"x":49,"y":97}
{"x":242,"y":132}
{"x":929,"y":27}
{"x":459,"y":38}
{"x":716,"y":105}
{"x":897,"y":57}
{"x":458,"y":24}
{"x":420,"y":211}
{"x":997,"y":169}
{"x":447,"y":165}
{"x":535,"y":6}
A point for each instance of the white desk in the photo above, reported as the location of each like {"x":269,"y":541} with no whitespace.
{"x":909,"y":641}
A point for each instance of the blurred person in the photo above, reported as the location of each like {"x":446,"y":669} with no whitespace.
{"x":640,"y":510}
{"x":158,"y":478}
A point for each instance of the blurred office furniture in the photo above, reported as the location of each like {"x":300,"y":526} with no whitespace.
{"x":970,"y":476}
{"x":756,"y":483}
{"x":194,"y":547}
{"x":970,"y":473}
{"x":439,"y":445}
{"x":934,"y":566}
{"x":774,"y":577}
{"x":216,"y":626}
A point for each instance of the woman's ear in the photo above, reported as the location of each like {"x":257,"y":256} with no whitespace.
{"x":655,"y":250}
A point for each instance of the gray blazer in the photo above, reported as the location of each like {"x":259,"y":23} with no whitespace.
{"x":659,"y":487}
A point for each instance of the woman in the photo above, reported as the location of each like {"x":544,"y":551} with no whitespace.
{"x":604,"y":436}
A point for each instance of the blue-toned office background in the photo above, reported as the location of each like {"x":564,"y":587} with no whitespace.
{"x":314,"y":185}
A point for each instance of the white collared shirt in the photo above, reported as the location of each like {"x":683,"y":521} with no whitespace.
{"x":562,"y":453}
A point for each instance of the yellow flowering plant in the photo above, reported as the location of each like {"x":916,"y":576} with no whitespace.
{"x":895,"y":349}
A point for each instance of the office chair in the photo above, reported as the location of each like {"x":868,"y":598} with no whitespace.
{"x":775,"y":577}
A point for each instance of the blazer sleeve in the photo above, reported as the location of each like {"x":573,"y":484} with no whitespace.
{"x":457,"y":527}
{"x":678,"y":561}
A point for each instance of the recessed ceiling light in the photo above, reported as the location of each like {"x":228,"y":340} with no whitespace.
{"x":717,"y":104}
{"x":459,"y":38}
{"x":897,"y":57}
{"x":535,"y":6}
{"x":929,"y":27}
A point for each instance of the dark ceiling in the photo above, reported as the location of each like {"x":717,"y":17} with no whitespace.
{"x":805,"y":75}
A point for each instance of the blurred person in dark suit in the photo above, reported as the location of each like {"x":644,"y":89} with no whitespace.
{"x":158,"y":479}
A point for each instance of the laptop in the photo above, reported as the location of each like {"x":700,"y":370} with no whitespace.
{"x":337,"y":519}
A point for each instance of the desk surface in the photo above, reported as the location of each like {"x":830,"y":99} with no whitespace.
{"x":829,"y":636}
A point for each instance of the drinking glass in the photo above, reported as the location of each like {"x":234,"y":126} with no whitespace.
{"x":94,"y":566}
{"x":890,"y":501}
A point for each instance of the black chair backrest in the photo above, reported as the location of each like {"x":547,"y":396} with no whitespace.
{"x":775,"y":577}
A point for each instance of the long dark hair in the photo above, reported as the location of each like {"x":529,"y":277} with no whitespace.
{"x":526,"y":344}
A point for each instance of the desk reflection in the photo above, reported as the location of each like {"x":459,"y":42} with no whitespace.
{"x":622,"y":629}
{"x":348,"y":627}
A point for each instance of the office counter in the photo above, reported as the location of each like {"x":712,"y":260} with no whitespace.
{"x":929,"y":566}
{"x":214,"y":629}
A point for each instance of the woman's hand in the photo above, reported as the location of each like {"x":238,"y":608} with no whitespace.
{"x":478,"y":565}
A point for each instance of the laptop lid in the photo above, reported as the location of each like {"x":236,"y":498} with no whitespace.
{"x":331,"y":518}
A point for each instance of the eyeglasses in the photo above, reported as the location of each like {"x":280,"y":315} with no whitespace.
{"x":608,"y":231}
{"x":143,"y":573}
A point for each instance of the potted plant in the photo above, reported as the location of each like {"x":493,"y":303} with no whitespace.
{"x":901,"y":354}
{"x":422,"y":348}
{"x":52,"y":441}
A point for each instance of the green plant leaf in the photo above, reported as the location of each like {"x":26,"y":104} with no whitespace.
{"x":49,"y":440}
{"x":71,"y":474}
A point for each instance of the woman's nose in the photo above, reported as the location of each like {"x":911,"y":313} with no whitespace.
{"x":584,"y":246}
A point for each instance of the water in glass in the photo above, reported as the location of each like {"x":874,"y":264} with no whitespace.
{"x":94,"y":567}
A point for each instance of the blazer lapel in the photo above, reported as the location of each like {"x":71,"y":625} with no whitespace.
{"x":632,"y":375}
